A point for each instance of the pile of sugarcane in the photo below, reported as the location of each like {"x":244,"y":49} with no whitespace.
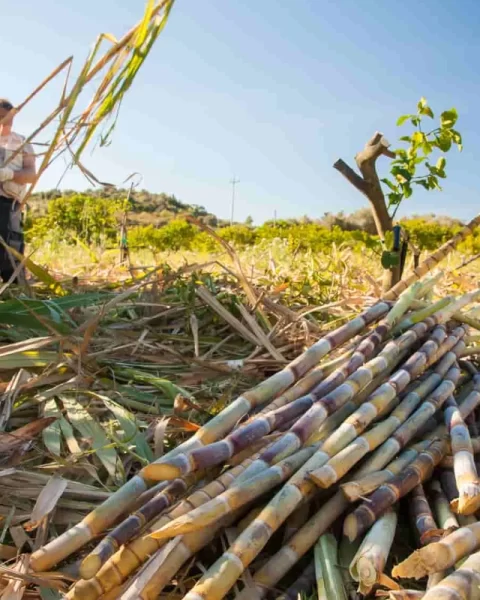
{"x":328,"y":444}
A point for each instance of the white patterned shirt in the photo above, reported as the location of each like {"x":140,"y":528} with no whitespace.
{"x":8,"y":144}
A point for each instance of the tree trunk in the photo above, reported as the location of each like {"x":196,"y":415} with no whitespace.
{"x":369,"y":185}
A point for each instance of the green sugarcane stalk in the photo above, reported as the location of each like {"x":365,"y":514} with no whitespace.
{"x":421,"y":314}
{"x":326,"y":556}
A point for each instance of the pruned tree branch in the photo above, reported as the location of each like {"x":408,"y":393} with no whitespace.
{"x":369,"y":183}
{"x":350,"y":174}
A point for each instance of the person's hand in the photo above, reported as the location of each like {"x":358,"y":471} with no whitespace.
{"x":6,"y":174}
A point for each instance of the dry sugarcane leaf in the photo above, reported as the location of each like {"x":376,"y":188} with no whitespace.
{"x":16,"y":443}
{"x":16,"y":587}
{"x":159,"y":438}
{"x":46,"y":501}
{"x":11,"y":393}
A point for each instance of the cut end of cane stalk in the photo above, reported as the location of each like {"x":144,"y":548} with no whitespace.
{"x":432,"y":535}
{"x":90,"y":566}
{"x":352,"y":491}
{"x":468,"y":502}
{"x":350,"y":527}
{"x":161,"y":472}
{"x":423,"y":562}
{"x":324,"y":477}
{"x":173,"y":529}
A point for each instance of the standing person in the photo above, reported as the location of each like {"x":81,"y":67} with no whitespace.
{"x":14,"y":178}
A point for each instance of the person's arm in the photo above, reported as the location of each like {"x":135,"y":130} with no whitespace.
{"x":27,"y":174}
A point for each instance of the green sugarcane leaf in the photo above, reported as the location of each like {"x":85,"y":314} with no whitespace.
{"x":130,"y":428}
{"x":52,"y":435}
{"x":94,"y":433}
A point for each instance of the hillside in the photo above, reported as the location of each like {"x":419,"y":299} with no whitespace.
{"x":146,"y":208}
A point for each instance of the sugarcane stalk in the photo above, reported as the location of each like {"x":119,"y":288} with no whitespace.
{"x":432,"y":260}
{"x":440,"y":555}
{"x":298,"y":518}
{"x":304,"y":584}
{"x":235,"y":497}
{"x":305,"y":385}
{"x":400,"y":594}
{"x":164,"y":566}
{"x":466,"y":475}
{"x":404,"y":433}
{"x":119,"y":502}
{"x":448,"y":483}
{"x":369,"y":563}
{"x":342,"y":395}
{"x":319,"y":577}
{"x":359,"y":488}
{"x":462,"y":583}
{"x":447,"y":462}
{"x":280,"y":563}
{"x":342,"y":462}
{"x":229,"y":566}
{"x":126,"y":560}
{"x":349,"y":454}
{"x":385,"y":496}
{"x":422,"y":517}
{"x":346,"y":553}
{"x":421,"y":314}
{"x":216,"y":453}
{"x":131,"y":527}
{"x":445,"y":518}
{"x":339,"y":416}
{"x":326,"y":555}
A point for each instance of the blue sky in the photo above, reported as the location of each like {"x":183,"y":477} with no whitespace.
{"x":273,"y":91}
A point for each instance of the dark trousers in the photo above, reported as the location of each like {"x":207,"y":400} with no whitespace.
{"x":12,"y":234}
